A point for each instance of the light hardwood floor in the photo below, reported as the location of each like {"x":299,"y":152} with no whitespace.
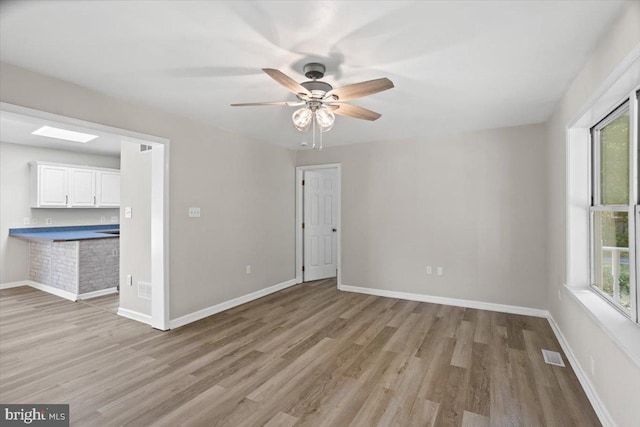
{"x":308,"y":355}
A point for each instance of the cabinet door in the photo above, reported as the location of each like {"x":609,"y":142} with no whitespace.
{"x":82,"y":187}
{"x":53,"y":185}
{"x":108,"y":189}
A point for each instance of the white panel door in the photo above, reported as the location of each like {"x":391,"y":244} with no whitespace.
{"x":53,"y":186}
{"x":82,"y":187}
{"x":108,"y":189}
{"x":320,"y":222}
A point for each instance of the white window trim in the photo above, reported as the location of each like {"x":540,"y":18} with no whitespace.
{"x":622,"y":82}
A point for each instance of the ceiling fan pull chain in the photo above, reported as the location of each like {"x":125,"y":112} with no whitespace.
{"x":313,"y":132}
{"x":320,"y":149}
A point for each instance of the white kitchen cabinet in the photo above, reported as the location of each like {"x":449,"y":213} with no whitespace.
{"x":51,"y":184}
{"x":82,"y":188}
{"x":71,"y":186}
{"x":108,"y":189}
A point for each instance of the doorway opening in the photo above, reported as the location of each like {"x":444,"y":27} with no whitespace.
{"x":158,"y":216}
{"x":318,"y":222}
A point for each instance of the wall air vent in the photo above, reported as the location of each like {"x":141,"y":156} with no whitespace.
{"x":552,"y":358}
{"x":144,"y":290}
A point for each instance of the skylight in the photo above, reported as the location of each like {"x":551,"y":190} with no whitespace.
{"x":65,"y":134}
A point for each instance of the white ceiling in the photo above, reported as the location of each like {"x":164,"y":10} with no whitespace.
{"x":456,"y":66}
{"x":17,"y":129}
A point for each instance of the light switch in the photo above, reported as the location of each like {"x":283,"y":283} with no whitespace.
{"x":194,"y":212}
{"x":128,"y":212}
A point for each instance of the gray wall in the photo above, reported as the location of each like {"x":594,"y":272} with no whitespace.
{"x":617,"y":378}
{"x":245,"y":189}
{"x":473,"y":203}
{"x":14,"y":202}
{"x":135,"y":232}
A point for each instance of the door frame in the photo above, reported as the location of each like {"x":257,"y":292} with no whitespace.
{"x":299,"y":217}
{"x":160,"y":295}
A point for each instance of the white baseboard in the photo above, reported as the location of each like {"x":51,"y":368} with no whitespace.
{"x":99,"y":293}
{"x":206,"y":312}
{"x":481,"y":305}
{"x":55,"y":291}
{"x":134,"y":315}
{"x":598,"y":405}
{"x":10,"y":285}
{"x":58,"y":292}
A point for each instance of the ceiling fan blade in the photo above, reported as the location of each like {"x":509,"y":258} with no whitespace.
{"x":255,"y":104}
{"x":356,"y":112}
{"x":286,"y":81}
{"x":358,"y":90}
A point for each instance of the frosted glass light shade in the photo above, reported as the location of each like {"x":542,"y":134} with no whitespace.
{"x":325,"y":118}
{"x":302,"y":119}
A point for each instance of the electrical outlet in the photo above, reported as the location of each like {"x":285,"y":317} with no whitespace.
{"x":429,"y":270}
{"x":34,"y":221}
{"x":49,"y":221}
{"x":128,"y":212}
{"x":440,"y":271}
{"x":129,"y":280}
{"x":103,"y":219}
{"x":559,"y":294}
{"x":248,"y":269}
{"x":26,"y":220}
{"x":194,"y":212}
{"x":114,"y":218}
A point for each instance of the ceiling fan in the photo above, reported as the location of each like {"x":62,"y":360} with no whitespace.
{"x":320,"y":101}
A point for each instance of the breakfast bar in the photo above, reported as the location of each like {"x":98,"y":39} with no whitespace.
{"x":77,"y":262}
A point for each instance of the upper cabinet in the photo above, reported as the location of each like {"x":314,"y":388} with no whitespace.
{"x":108,"y":189}
{"x":70,"y":186}
{"x":82,"y":188}
{"x":51,"y":184}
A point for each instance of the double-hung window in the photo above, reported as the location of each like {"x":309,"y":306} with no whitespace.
{"x":614,"y":208}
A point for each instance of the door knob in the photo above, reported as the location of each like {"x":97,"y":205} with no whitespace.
{"x":334,"y":229}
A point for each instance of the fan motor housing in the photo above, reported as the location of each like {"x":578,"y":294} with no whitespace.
{"x":315,"y":85}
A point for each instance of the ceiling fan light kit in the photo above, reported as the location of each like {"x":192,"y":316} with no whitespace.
{"x":302,"y":119}
{"x":320,"y":101}
{"x":325,"y":119}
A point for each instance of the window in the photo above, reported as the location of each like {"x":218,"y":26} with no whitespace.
{"x":614,"y":208}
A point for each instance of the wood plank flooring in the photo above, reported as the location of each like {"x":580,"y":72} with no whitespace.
{"x":305,"y":356}
{"x":108,"y":303}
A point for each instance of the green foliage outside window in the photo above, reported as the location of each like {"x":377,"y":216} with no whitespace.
{"x":614,"y":190}
{"x":614,"y":162}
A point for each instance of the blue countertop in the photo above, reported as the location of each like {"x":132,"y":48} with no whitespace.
{"x":66,"y":234}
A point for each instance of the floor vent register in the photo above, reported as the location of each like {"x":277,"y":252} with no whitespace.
{"x":552,"y":358}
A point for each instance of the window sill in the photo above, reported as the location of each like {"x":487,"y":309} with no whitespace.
{"x":622,"y":330}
